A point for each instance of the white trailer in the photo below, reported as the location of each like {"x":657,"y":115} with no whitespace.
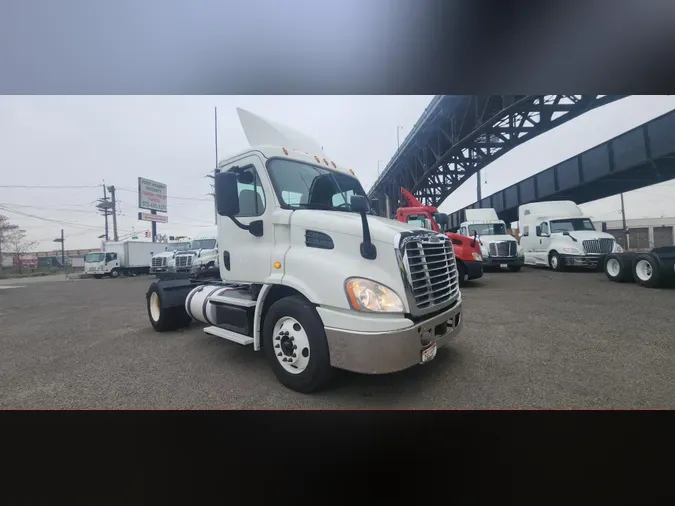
{"x":121,"y":258}
{"x":308,"y":275}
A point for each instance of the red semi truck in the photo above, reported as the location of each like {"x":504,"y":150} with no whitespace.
{"x":467,"y":251}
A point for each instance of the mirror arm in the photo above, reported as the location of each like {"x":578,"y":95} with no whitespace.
{"x":255,"y":228}
{"x":368,"y":250}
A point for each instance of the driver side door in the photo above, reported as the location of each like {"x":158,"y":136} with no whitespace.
{"x":543,"y":243}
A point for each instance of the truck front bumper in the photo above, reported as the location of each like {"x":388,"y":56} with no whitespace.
{"x":161,"y":270}
{"x":390,"y":351}
{"x":583,"y":260}
{"x":517,"y":261}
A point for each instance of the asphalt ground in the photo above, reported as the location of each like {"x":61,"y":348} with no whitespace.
{"x":534,"y":339}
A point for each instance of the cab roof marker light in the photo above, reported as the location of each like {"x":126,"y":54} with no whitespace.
{"x":318,"y":160}
{"x":333,"y":163}
{"x":326,"y":162}
{"x":352,"y":171}
{"x":285,"y":151}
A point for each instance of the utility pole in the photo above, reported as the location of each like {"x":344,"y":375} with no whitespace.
{"x":63,"y":254}
{"x":113,"y":209}
{"x":623,"y":220}
{"x":105,"y":211}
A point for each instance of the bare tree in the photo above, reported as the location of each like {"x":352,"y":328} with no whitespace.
{"x":6,"y":229}
{"x":18,"y":245}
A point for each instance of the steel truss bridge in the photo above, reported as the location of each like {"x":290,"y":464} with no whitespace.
{"x":457,"y":136}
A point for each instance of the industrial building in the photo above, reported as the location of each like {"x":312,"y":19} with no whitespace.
{"x":643,"y":233}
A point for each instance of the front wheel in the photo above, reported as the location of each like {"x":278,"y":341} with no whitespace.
{"x":555,"y":262}
{"x":295,"y":344}
{"x":461,"y":273}
{"x":115,"y":273}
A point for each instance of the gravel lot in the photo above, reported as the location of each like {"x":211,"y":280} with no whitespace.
{"x":535,"y":339}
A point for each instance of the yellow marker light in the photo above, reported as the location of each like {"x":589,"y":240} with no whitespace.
{"x":277,"y":265}
{"x":318,"y":160}
{"x":325,"y":161}
{"x":352,"y":171}
{"x":285,"y":151}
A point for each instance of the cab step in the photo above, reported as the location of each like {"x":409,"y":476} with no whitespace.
{"x":229,"y":335}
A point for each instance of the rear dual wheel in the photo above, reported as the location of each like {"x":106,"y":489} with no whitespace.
{"x":647,"y":271}
{"x":619,"y":267}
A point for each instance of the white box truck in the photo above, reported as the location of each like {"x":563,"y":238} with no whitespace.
{"x":499,"y":249}
{"x":121,"y":258}
{"x":308,"y":275}
{"x":557,"y":234}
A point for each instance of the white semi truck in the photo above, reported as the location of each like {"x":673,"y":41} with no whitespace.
{"x":121,"y":258}
{"x":202,"y":252}
{"x":308,"y":275}
{"x":166,"y":260}
{"x":499,"y":249}
{"x":557,"y":234}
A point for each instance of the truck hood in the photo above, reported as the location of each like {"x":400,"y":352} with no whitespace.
{"x":165,"y":254}
{"x":585,"y":235}
{"x":381,"y":229}
{"x":486,"y":239}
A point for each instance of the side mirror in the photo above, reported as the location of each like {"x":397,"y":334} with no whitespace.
{"x":359,"y":204}
{"x":227,"y":194}
{"x":442,"y":220}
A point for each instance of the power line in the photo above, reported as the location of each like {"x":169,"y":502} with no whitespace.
{"x":60,"y":222}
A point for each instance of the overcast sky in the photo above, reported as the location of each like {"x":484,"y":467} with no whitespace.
{"x":80,"y":141}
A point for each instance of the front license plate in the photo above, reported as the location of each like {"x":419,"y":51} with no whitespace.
{"x":503,"y":266}
{"x":429,"y":353}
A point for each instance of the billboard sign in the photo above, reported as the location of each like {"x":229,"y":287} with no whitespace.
{"x":159,"y":218}
{"x":151,"y":195}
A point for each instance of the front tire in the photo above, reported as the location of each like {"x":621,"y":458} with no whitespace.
{"x":163,"y":318}
{"x":115,"y":273}
{"x":461,"y":274}
{"x":555,"y":262}
{"x":295,"y":344}
{"x":647,"y":271}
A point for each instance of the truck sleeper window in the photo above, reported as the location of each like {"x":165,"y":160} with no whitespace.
{"x":304,"y":186}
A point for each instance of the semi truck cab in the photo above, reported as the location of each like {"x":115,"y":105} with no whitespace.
{"x":499,"y":249}
{"x":557,"y":234}
{"x":308,"y":275}
{"x":166,"y":260}
{"x":202,"y":252}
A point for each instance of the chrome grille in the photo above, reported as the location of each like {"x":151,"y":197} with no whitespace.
{"x":598,"y":246}
{"x":503,"y":249}
{"x":432,"y":270}
{"x":159,"y":262}
{"x":183,"y":261}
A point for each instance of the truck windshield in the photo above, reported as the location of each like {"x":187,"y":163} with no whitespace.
{"x":419,"y":221}
{"x":181,"y":246}
{"x":204,"y":244}
{"x":571,"y":224}
{"x":488,"y":229}
{"x":304,"y":186}
{"x":94,"y":257}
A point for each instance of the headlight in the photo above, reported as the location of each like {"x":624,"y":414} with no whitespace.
{"x":366,"y":295}
{"x":521,"y":253}
{"x":617,"y":248}
{"x":484,"y":251}
{"x":477,"y":257}
{"x":574,"y":251}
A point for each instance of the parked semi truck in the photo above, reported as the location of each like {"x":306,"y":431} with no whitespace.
{"x":121,"y":258}
{"x":202,"y":252}
{"x":165,"y":261}
{"x":557,"y":234}
{"x":651,"y":269}
{"x":467,"y":252}
{"x":308,"y":275}
{"x":498,"y":247}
